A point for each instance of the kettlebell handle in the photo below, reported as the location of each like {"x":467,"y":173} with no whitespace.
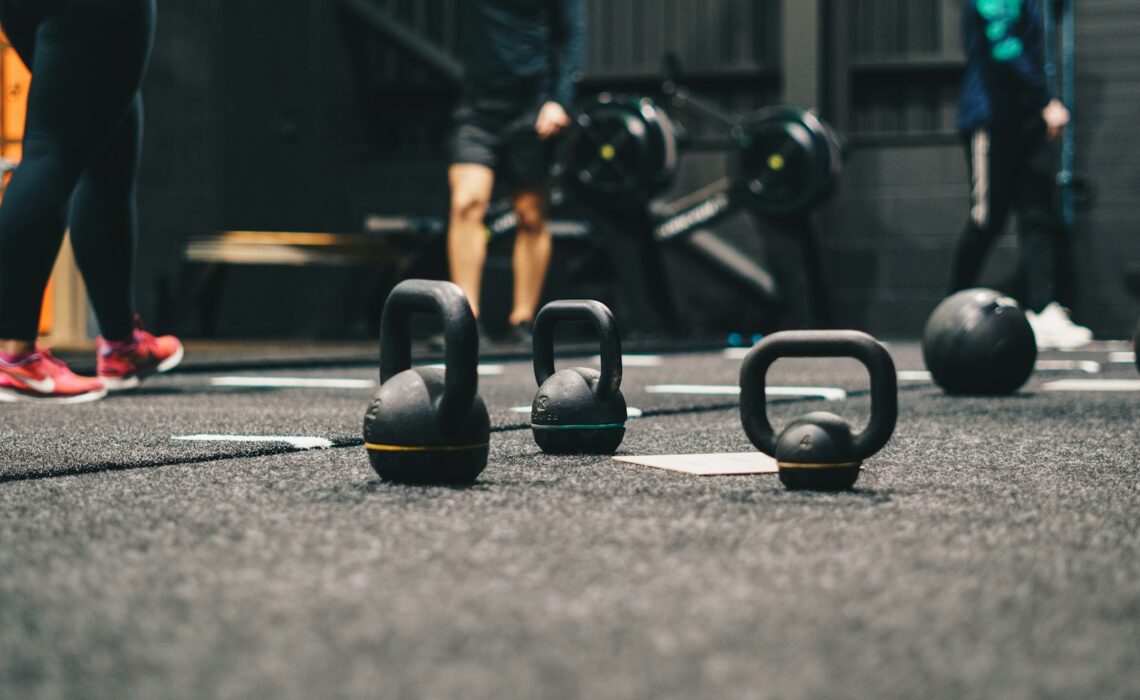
{"x":853,"y":344}
{"x":461,"y":340}
{"x":579,"y":310}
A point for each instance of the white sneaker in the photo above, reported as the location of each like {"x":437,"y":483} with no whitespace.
{"x":1054,"y":330}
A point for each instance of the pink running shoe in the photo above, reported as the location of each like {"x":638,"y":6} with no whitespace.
{"x":122,"y":366}
{"x":41,"y":377}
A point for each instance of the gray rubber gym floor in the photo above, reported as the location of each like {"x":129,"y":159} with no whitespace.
{"x":992,"y":549}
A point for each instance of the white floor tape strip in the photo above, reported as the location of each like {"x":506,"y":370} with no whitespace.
{"x":484,"y":370}
{"x":820,"y":392}
{"x":630,"y":411}
{"x":633,"y":360}
{"x":1093,"y":385}
{"x":293,"y":383}
{"x":914,"y":375}
{"x":735,"y":353}
{"x":300,"y":443}
{"x":732,"y":464}
{"x":1123,"y":358}
{"x":1086,"y":366}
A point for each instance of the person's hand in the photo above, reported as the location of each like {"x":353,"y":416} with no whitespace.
{"x":1056,"y":117}
{"x":551,"y":120}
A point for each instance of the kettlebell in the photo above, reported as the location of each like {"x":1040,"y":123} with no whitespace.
{"x":428,"y":425}
{"x":819,"y":450}
{"x":577,"y":410}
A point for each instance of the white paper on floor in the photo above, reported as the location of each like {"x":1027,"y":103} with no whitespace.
{"x":297,"y":442}
{"x":1093,"y":385}
{"x":729,"y":464}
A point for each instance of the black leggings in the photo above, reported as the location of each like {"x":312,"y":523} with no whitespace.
{"x":1012,"y":171}
{"x":81,"y":148}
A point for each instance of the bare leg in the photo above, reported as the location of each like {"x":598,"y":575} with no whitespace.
{"x":471,"y":186}
{"x":531,"y":255}
{"x":16,"y":347}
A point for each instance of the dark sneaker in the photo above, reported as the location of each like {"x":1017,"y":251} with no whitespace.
{"x":520,"y":334}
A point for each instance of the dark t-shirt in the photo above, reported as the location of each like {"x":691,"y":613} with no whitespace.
{"x":521,"y":48}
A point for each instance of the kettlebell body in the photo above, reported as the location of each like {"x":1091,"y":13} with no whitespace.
{"x":428,"y":425}
{"x":819,"y":450}
{"x":577,"y":410}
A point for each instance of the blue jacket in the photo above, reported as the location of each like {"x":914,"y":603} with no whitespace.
{"x":1005,"y":82}
{"x":524,"y":48}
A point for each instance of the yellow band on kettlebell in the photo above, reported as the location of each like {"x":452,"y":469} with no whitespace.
{"x":424,"y":448}
{"x":806,"y":465}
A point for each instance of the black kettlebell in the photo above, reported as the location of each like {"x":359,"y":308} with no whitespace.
{"x":577,"y":410}
{"x":428,"y":425}
{"x":819,"y":450}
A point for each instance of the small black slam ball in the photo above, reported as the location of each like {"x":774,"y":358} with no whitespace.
{"x":979,"y":341}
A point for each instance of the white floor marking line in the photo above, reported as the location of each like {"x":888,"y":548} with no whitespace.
{"x":1086,"y":366}
{"x":735,"y":353}
{"x":630,"y":411}
{"x":634,"y":360}
{"x":1093,"y":385}
{"x":914,"y":375}
{"x":822,"y":392}
{"x":300,"y":443}
{"x":484,"y":370}
{"x":1123,"y":358}
{"x":293,"y":383}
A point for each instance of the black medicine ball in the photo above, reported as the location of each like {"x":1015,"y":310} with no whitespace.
{"x":979,"y":342}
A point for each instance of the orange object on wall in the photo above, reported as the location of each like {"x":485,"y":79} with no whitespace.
{"x":14,"y":82}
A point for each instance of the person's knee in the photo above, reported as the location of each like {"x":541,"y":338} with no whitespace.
{"x":531,"y":216}
{"x":468,"y":206}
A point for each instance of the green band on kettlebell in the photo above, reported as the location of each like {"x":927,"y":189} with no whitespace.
{"x":805,"y":465}
{"x":596,"y":426}
{"x":425,"y":448}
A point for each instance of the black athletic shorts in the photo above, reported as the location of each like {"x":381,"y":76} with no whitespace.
{"x":499,"y":133}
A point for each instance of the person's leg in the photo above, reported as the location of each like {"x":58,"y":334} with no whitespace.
{"x":32,"y":217}
{"x":104,"y":225}
{"x":87,"y":66}
{"x":990,"y":170}
{"x":1045,"y":254}
{"x":471,"y":186}
{"x":531,"y":257}
{"x":1038,"y":224}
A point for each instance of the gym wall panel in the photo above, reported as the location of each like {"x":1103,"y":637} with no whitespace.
{"x":181,"y":176}
{"x":1106,"y":114}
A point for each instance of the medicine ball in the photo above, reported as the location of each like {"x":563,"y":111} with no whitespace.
{"x":979,"y":342}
